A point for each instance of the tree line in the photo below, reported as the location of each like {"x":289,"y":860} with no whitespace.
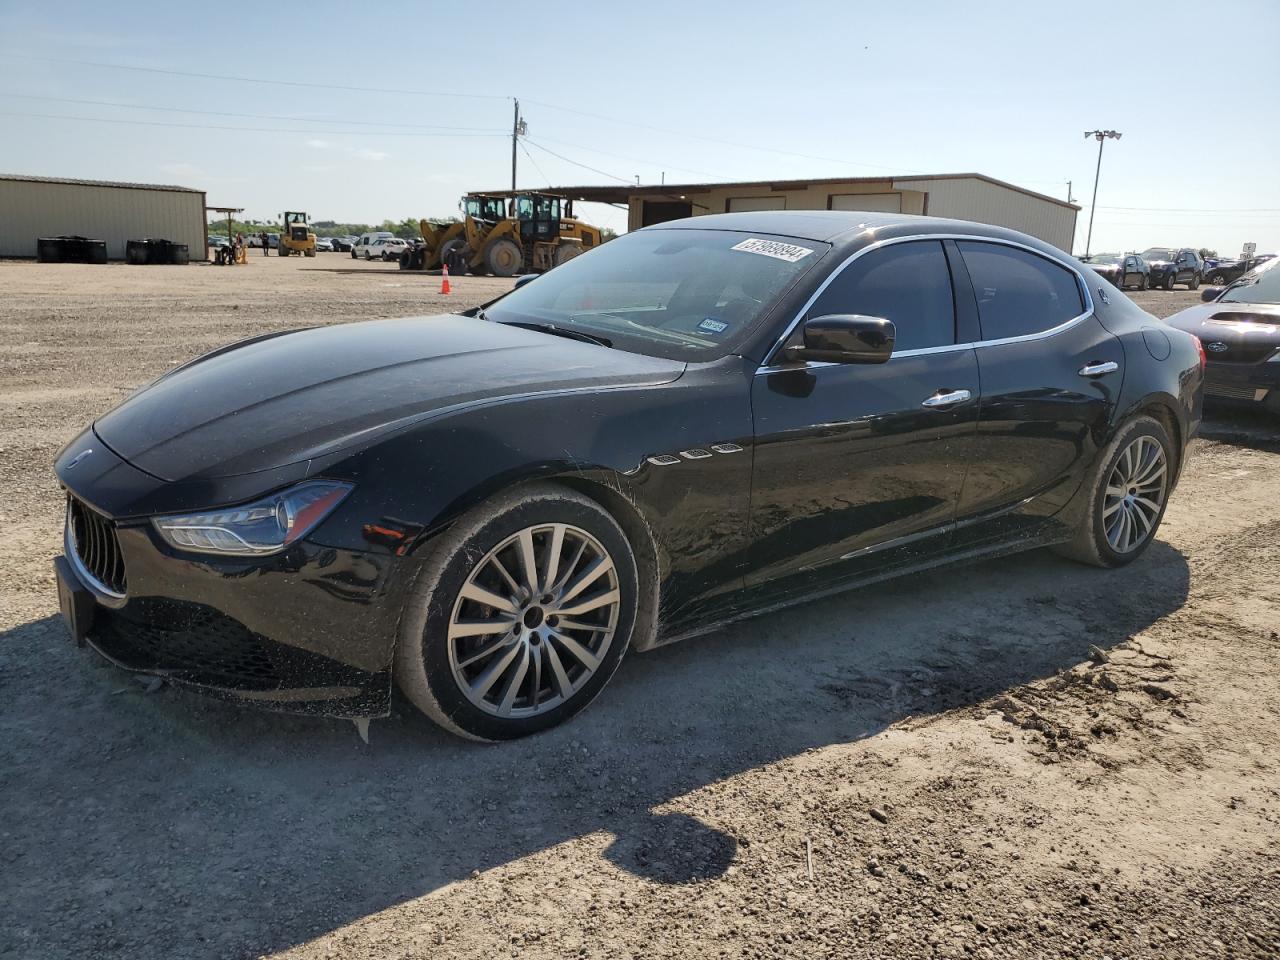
{"x":406,"y":229}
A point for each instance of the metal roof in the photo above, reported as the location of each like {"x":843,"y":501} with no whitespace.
{"x":100,"y":183}
{"x":620,"y":193}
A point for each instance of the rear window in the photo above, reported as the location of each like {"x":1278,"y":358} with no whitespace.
{"x":1019,"y":292}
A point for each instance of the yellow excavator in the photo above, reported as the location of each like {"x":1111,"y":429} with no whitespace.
{"x":297,"y":236}
{"x":537,"y":233}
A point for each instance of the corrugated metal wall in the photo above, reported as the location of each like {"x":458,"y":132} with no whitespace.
{"x":32,"y":209}
{"x":978,"y":200}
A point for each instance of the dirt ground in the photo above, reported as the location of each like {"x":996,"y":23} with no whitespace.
{"x":1024,"y":758}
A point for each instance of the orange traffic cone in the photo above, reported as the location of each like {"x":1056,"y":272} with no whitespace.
{"x":444,"y":282}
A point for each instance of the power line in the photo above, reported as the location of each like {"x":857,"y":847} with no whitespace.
{"x":201,"y":126}
{"x":727,"y":143}
{"x":272,"y":81}
{"x":618,"y":156}
{"x":252,"y":116}
{"x":603,"y":173}
{"x":535,"y":163}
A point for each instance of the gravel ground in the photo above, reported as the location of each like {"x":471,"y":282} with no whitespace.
{"x":1025,"y":758}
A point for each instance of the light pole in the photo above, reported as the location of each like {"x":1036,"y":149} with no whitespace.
{"x":1100,"y":136}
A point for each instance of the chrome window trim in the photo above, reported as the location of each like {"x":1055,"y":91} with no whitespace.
{"x":1081,"y":284}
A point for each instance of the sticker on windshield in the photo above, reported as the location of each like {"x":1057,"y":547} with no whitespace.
{"x":712,"y":325}
{"x":772,"y":248}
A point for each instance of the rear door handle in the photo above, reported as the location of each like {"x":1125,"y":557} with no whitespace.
{"x":946,"y":398}
{"x":1099,"y":369}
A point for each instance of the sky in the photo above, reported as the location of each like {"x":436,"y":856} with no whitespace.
{"x":396,"y":110}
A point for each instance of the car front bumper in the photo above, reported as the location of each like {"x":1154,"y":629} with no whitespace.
{"x":310,"y":630}
{"x":1246,"y":382}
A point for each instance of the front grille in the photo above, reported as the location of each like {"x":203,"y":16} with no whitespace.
{"x":299,"y":233}
{"x":93,"y":537}
{"x":1233,"y":390}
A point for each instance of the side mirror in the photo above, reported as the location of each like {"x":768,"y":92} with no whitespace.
{"x":1210,"y":293}
{"x":522,"y":280}
{"x":845,"y":338}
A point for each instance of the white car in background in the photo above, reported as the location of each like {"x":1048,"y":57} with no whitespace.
{"x":366,"y":246}
{"x":325,"y":244}
{"x":389,"y":249}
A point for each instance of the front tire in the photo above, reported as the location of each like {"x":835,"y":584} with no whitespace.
{"x":1195,"y":282}
{"x":1168,"y":280}
{"x":1128,"y":498}
{"x":520,"y":616}
{"x":503,"y":258}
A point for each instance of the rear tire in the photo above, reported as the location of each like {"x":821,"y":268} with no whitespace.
{"x":540,"y":670}
{"x":1101,"y":539}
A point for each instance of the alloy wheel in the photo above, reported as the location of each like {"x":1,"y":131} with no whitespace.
{"x":1135,"y":494}
{"x":534,"y":620}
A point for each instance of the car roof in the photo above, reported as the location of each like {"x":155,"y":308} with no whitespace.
{"x":844,"y":226}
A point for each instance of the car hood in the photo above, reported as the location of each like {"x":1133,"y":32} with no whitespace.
{"x":285,"y":398}
{"x":1103,"y":267}
{"x":1230,"y":323}
{"x":1159,"y":263}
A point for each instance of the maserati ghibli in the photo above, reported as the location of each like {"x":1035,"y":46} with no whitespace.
{"x":695,"y":422}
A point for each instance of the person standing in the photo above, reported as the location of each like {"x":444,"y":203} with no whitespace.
{"x":266,"y":247}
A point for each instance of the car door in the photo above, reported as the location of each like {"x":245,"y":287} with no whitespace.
{"x":859,"y":465}
{"x":1184,"y":268}
{"x":1051,"y":375}
{"x":1132,"y":274}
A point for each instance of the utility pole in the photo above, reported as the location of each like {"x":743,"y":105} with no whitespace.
{"x":515,"y":132}
{"x":1101,"y":136}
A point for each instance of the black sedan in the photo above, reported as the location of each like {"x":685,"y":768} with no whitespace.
{"x":1224,"y":271}
{"x":1240,"y":329}
{"x":695,"y":422}
{"x":1123,"y":269}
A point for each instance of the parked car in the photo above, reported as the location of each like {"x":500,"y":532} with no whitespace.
{"x":215,"y":242}
{"x":1170,"y":265}
{"x":341,"y":244}
{"x":1123,"y":269}
{"x":365,"y":245}
{"x":698,"y":421}
{"x":1224,"y":271}
{"x":325,"y":244}
{"x":390,"y":248}
{"x":1240,"y":328}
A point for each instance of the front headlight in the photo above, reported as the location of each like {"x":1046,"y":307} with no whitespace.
{"x":254,"y":529}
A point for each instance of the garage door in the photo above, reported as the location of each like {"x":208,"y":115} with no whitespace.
{"x":873,"y":202}
{"x":745,"y":204}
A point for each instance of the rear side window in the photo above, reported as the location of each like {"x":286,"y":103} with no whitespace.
{"x":1019,"y":293}
{"x":908,"y":283}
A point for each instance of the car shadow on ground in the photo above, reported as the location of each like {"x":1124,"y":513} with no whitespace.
{"x":247,"y":832}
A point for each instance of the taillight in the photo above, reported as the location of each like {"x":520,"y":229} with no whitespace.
{"x":1204,"y":357}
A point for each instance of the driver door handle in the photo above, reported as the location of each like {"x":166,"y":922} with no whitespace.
{"x":1099,"y":369}
{"x":946,"y":398}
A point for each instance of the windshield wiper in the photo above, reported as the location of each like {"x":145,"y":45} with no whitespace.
{"x":555,"y":331}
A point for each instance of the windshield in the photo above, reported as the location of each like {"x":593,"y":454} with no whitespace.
{"x":1158,"y":253}
{"x":1261,"y":286}
{"x":679,"y":294}
{"x":1105,"y":258}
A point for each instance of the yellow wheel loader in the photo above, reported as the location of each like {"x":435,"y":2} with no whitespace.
{"x":539,"y":232}
{"x":296,"y":236}
{"x":445,"y":242}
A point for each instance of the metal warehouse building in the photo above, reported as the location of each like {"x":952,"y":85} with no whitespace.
{"x":33,"y":207}
{"x":963,"y":196}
